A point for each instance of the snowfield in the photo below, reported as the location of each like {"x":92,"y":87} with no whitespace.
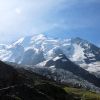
{"x":40,"y":48}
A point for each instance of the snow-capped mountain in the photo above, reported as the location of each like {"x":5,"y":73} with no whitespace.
{"x":62,"y":62}
{"x":32,"y":50}
{"x":62,"y":70}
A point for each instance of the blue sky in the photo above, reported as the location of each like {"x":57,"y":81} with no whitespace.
{"x":66,"y":18}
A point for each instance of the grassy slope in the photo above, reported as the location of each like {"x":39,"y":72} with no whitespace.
{"x":82,"y":94}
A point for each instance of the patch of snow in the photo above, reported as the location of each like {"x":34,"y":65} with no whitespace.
{"x":91,"y":55}
{"x":52,"y":67}
{"x":93,"y":67}
{"x":78,"y":53}
{"x":64,"y":60}
{"x":19,"y":41}
{"x":38,"y":37}
{"x":42,"y":63}
{"x":57,"y":58}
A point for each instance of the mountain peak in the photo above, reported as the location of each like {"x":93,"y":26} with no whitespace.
{"x":77,"y":50}
{"x":79,"y":40}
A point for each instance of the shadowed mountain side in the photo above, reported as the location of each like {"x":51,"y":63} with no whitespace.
{"x":68,"y":65}
{"x":21,"y":84}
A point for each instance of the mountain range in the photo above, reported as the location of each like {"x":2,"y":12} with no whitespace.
{"x":74,"y":61}
{"x":32,"y":50}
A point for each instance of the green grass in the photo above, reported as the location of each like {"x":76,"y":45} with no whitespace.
{"x":82,"y":94}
